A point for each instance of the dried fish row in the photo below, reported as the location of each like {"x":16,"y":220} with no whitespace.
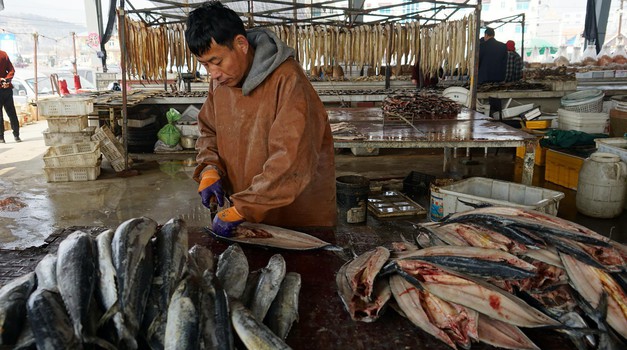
{"x":139,"y":286}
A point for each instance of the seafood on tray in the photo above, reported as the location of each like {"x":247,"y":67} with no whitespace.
{"x":487,"y":274}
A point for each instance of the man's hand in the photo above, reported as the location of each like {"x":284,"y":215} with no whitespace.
{"x":225,"y":221}
{"x":211,"y":187}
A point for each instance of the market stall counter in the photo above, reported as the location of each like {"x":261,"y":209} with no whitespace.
{"x":468,"y":129}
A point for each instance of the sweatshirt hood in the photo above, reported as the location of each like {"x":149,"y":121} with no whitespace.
{"x":270,"y":52}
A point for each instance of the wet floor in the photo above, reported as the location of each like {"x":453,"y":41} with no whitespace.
{"x":31,"y":209}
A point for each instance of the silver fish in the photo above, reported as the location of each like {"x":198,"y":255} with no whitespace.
{"x":253,"y":333}
{"x":76,"y":277}
{"x":251,"y":285}
{"x":171,"y":244}
{"x":129,"y":248}
{"x":203,"y":256}
{"x":268,"y":286}
{"x":107,"y":293}
{"x":13,"y":298}
{"x":215,"y":321}
{"x":46,"y":271}
{"x":51,"y":325}
{"x":232,"y":271}
{"x":284,"y":309}
{"x":181,"y":330}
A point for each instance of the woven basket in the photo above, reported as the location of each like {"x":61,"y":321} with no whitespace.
{"x":594,"y":106}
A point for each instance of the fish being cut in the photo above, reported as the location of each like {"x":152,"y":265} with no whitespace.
{"x":359,"y":308}
{"x":503,"y":335}
{"x":361,"y":271}
{"x":273,"y":236}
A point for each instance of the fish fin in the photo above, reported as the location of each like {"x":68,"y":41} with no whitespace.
{"x":109,"y":314}
{"x":99,"y":342}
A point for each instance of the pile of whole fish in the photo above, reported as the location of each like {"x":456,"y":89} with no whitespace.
{"x":419,"y":105}
{"x":139,"y":286}
{"x":481,"y":275}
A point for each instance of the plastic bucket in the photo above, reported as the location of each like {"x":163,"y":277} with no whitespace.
{"x":352,"y":198}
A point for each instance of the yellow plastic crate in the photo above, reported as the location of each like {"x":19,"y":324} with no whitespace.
{"x":562,"y":169}
{"x":537,"y":124}
{"x":540,"y":155}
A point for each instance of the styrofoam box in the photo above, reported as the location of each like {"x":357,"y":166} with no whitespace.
{"x":445,"y":200}
{"x":67,"y":124}
{"x":614,"y":145}
{"x":603,"y":74}
{"x":583,"y":75}
{"x":513,"y":111}
{"x":592,"y":123}
{"x":64,"y":138}
{"x":138,"y":123}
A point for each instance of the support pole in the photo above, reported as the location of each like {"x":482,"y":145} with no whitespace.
{"x":36,"y":40}
{"x":475,"y":61}
{"x":123,"y":56}
{"x":522,"y":40}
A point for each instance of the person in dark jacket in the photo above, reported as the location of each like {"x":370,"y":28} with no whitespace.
{"x":492,"y":59}
{"x":6,"y":97}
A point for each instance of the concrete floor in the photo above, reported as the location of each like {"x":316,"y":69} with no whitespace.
{"x":31,"y":208}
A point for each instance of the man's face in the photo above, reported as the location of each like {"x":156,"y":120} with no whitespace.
{"x":227,"y":66}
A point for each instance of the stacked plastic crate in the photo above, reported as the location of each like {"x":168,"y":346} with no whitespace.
{"x":71,"y":155}
{"x":111,"y":148}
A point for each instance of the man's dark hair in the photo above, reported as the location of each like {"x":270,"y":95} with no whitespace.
{"x":489,"y":31}
{"x":212,"y":20}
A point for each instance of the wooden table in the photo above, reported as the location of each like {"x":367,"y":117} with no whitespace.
{"x":468,"y":129}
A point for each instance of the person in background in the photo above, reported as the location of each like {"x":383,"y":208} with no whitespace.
{"x":513,"y":69}
{"x":6,"y":97}
{"x":492,"y":59}
{"x":420,"y":79}
{"x":265,"y":137}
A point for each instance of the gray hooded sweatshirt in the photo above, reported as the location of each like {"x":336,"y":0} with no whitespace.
{"x":270,"y":52}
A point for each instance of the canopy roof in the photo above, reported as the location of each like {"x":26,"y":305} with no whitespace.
{"x":330,"y":12}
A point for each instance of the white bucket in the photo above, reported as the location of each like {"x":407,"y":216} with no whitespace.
{"x":601,"y":186}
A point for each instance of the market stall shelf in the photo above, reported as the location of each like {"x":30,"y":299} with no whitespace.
{"x":468,"y":129}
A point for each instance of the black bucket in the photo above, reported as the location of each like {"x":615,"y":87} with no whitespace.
{"x":352,"y":198}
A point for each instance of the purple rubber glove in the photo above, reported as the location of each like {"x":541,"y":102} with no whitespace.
{"x":211,"y":187}
{"x":225,"y":221}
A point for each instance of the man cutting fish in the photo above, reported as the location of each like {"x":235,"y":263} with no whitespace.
{"x":265,"y":137}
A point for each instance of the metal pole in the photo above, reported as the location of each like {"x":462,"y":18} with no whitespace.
{"x":522,"y":40}
{"x":122,"y":38}
{"x":74,"y":50}
{"x":35,"y":37}
{"x":475,"y":59}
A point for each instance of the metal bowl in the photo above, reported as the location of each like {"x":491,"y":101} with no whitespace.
{"x":188,"y":142}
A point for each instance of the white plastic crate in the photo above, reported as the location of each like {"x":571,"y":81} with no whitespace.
{"x":614,"y":145}
{"x":592,"y":123}
{"x":65,"y":138}
{"x":479,"y":190}
{"x":67,"y":124}
{"x":72,"y":174}
{"x":111,"y":148}
{"x":85,"y":154}
{"x":66,"y":106}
